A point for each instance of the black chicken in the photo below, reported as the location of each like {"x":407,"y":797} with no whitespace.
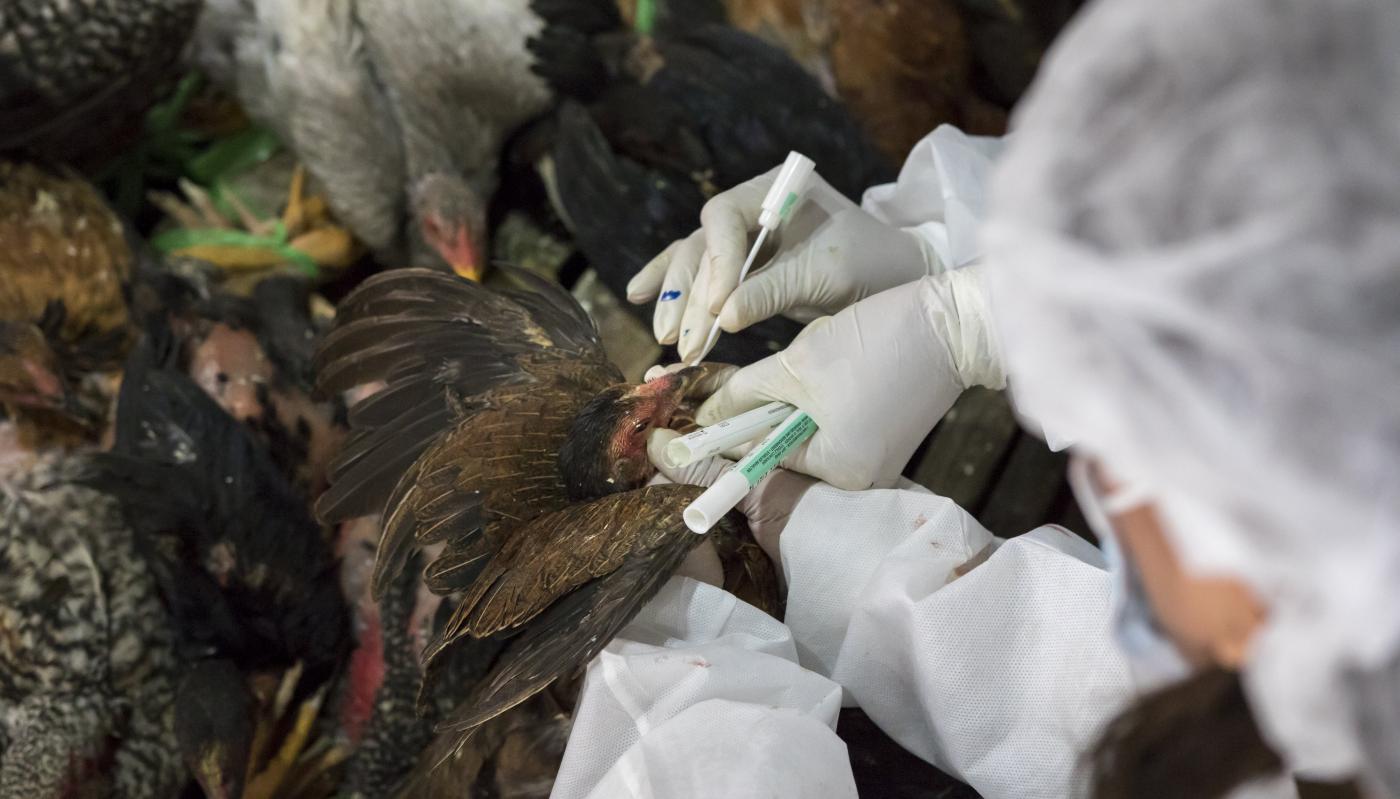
{"x":242,"y":566}
{"x":240,"y":561}
{"x":671,"y":120}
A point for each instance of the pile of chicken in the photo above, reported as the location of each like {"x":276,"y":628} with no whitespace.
{"x":268,"y":546}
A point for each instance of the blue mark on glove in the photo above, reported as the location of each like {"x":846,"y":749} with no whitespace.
{"x":673,"y":294}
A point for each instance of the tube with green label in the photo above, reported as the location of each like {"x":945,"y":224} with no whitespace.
{"x":720,"y":498}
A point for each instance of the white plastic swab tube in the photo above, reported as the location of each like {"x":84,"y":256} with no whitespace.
{"x":720,"y":498}
{"x":783,"y":196}
{"x":710,"y":441}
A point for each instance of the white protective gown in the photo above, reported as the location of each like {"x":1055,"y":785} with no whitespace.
{"x":1000,"y":676}
{"x":992,"y":659}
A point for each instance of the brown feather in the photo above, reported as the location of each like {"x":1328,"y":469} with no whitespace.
{"x":472,"y":344}
{"x":63,"y":248}
{"x":573,"y":625}
{"x":540,"y":569}
{"x":505,"y":454}
{"x":63,"y":317}
{"x":62,"y":242}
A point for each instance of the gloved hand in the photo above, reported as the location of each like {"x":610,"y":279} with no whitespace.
{"x":830,"y":253}
{"x":875,"y":377}
{"x":767,"y":507}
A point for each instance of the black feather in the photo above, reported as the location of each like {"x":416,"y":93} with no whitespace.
{"x":582,"y":461}
{"x":214,"y":719}
{"x":241,"y":563}
{"x":633,"y":170}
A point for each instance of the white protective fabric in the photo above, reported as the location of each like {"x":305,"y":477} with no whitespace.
{"x":1001,"y":676}
{"x":701,"y":696}
{"x":1195,"y":268}
{"x":940,"y":194}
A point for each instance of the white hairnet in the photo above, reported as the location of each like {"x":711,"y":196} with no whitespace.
{"x":1194,"y":248}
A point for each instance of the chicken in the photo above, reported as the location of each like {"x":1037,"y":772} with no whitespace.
{"x":249,"y":582}
{"x":380,"y":712}
{"x":506,"y":453}
{"x":253,"y":744}
{"x":397,"y":754}
{"x":803,"y":28}
{"x":904,"y":67}
{"x":680,"y":117}
{"x":75,"y":72}
{"x":398,"y":109}
{"x":214,"y":724}
{"x":240,"y":562}
{"x":87,"y":660}
{"x":252,"y":355}
{"x":63,"y":320}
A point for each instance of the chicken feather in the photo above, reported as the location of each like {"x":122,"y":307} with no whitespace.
{"x":527,"y":508}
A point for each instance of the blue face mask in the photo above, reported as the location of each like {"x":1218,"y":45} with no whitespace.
{"x":1151,"y":655}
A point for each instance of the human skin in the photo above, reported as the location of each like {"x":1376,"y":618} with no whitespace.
{"x":1211,"y":619}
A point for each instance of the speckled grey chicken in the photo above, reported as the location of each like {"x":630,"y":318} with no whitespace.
{"x":507,"y":452}
{"x":74,"y":72}
{"x":398,"y":108}
{"x":87,"y":664}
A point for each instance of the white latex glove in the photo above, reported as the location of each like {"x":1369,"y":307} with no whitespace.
{"x":829,"y":254}
{"x":767,"y":507}
{"x":875,"y":377}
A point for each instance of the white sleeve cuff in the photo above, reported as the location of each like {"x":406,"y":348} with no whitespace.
{"x":940,"y":193}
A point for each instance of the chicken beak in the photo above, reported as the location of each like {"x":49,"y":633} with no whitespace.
{"x":469,"y":270}
{"x":464,"y":257}
{"x":677,"y":382}
{"x":687,"y":377}
{"x":47,"y":385}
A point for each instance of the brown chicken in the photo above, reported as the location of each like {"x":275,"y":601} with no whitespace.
{"x":801,"y":27}
{"x":903,"y":67}
{"x":507,"y":452}
{"x":63,"y":320}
